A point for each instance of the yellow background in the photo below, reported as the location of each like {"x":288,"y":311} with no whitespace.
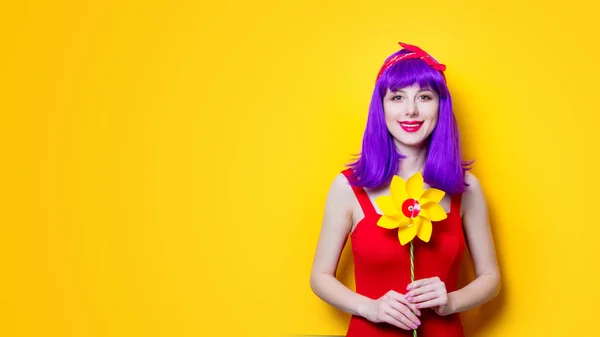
{"x":165,"y":163}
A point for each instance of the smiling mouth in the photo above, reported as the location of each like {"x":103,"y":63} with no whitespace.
{"x":412,"y":126}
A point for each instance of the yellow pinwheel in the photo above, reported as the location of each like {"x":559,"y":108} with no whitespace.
{"x":410,"y":209}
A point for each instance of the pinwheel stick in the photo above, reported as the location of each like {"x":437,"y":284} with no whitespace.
{"x":412,"y":272}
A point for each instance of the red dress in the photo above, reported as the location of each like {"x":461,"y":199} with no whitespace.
{"x":381,"y":264}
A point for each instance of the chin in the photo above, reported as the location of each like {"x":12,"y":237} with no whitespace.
{"x":411,"y":142}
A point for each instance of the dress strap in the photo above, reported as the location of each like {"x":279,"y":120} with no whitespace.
{"x":361,"y":195}
{"x":455,"y":204}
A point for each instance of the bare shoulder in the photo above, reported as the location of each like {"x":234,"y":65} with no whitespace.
{"x":471,"y":180}
{"x":473,"y":197}
{"x":340,"y":191}
{"x":340,"y":182}
{"x":473,"y":187}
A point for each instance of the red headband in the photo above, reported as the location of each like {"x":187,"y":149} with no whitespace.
{"x":415,"y":53}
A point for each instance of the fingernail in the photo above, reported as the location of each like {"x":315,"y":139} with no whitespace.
{"x":414,"y":326}
{"x":408,"y":287}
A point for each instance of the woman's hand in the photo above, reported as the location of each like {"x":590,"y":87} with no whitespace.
{"x":429,"y":293}
{"x":393,"y":308}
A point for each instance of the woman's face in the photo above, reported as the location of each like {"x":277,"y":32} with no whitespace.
{"x":411,"y":114}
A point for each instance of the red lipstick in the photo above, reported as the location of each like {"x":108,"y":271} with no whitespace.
{"x":410,"y":126}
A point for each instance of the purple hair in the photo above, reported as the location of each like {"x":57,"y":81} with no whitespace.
{"x":379,"y":159}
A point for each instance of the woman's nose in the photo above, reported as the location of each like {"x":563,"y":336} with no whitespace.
{"x":412,"y":109}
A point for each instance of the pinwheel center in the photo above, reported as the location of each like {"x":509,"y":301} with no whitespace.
{"x":410,"y":208}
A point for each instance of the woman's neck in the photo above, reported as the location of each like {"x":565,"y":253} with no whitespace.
{"x":413,"y":161}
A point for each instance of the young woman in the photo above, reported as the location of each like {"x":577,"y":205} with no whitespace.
{"x":411,"y":128}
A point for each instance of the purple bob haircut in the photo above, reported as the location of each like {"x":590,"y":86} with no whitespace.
{"x":380,"y":160}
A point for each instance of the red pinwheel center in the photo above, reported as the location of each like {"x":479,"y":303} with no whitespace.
{"x":411,"y":208}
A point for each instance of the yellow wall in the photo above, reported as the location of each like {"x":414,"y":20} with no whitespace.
{"x":165,"y":163}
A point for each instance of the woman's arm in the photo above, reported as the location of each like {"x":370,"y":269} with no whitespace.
{"x":479,"y":238}
{"x":336,"y":226}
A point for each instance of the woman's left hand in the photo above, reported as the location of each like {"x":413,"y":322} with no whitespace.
{"x":429,"y":293}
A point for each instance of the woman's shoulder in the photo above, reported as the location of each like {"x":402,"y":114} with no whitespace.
{"x":473,"y":193}
{"x":341,"y":185}
{"x":340,"y":196}
{"x":471,"y":181}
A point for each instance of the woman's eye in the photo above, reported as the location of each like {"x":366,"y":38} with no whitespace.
{"x":425,"y":97}
{"x":397,"y":97}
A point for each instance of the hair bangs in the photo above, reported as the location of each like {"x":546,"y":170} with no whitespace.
{"x":410,"y":72}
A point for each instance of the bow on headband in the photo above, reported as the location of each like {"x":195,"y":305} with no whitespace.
{"x":415,"y":53}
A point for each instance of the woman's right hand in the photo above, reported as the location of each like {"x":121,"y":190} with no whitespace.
{"x":393,"y":308}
